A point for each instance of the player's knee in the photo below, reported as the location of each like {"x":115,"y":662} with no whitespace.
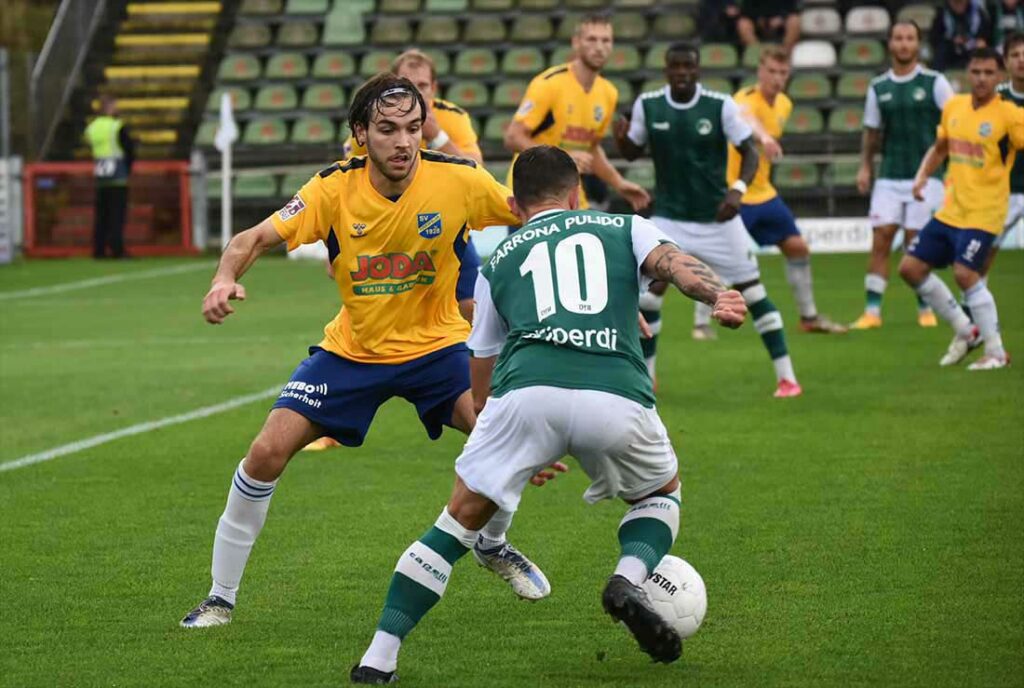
{"x":965,"y":277}
{"x":912,"y":271}
{"x":795,"y":247}
{"x":266,"y":459}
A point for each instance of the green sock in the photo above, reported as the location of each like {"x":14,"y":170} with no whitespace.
{"x":646,"y":534}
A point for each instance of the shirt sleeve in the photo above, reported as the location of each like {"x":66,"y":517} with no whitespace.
{"x":352,"y":147}
{"x":646,"y":237}
{"x":463,"y":135}
{"x":872,"y":115}
{"x":736,"y":128}
{"x":490,"y":202}
{"x":1016,"y":125}
{"x":536,"y":104}
{"x":489,"y":330}
{"x":942,"y":91}
{"x":306,"y":218}
{"x":638,"y":124}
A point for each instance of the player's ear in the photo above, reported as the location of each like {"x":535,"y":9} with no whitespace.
{"x":359,"y":132}
{"x":514,"y":207}
{"x":574,"y":198}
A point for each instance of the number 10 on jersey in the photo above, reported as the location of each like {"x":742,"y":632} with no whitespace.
{"x":588,"y":295}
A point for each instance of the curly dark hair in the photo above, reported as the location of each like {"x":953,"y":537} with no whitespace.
{"x":380,"y":91}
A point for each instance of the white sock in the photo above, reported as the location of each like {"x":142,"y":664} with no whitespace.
{"x":877,"y":284}
{"x":983,"y":307}
{"x":784,"y":368}
{"x":241,"y":522}
{"x":701,"y":314}
{"x":632,"y":569}
{"x":493,"y":534}
{"x":798,"y":274}
{"x":937,"y":295}
{"x":382,"y":654}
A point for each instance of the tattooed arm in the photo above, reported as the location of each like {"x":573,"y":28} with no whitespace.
{"x":695,"y":279}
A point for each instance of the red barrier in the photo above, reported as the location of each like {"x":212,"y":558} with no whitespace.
{"x":59,"y":200}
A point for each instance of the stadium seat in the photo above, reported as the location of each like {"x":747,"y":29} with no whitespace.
{"x":508,"y":94}
{"x":867,"y":20}
{"x":625,"y":90}
{"x":363,"y":6}
{"x":323,"y":97}
{"x":655,"y":57}
{"x":297,"y":35}
{"x":313,"y":129}
{"x":560,"y":55}
{"x":752,"y":56}
{"x":586,"y":4}
{"x":531,"y":28}
{"x":467,"y":93}
{"x":846,"y":119}
{"x":635,"y":3}
{"x":343,"y":133}
{"x":861,"y":53}
{"x":958,"y":80}
{"x":287,"y":66}
{"x":805,"y":120}
{"x":306,"y":7}
{"x":442,"y":63}
{"x":813,"y":86}
{"x":629,"y":26}
{"x":717,"y":83}
{"x":207,"y":130}
{"x":266,"y":131}
{"x":820,"y":21}
{"x":655,"y":84}
{"x":493,"y":5}
{"x":447,"y":5}
{"x":538,"y":4}
{"x":238,"y":68}
{"x":391,"y":31}
{"x":567,"y":27}
{"x":674,"y":25}
{"x":398,"y":6}
{"x":254,"y":186}
{"x":624,"y":58}
{"x":344,"y":27}
{"x":813,"y":55}
{"x":333,"y":64}
{"x":376,"y":61}
{"x":240,"y":98}
{"x":843,"y":172}
{"x":293,"y":181}
{"x":213,"y":188}
{"x":717,"y":56}
{"x":853,"y":84}
{"x":922,"y":14}
{"x":249,"y":36}
{"x":437,"y":31}
{"x":528,"y":61}
{"x":475,"y":62}
{"x":276,"y":97}
{"x":261,"y":7}
{"x":499,"y":170}
{"x":794,"y":174}
{"x":642,"y":173}
{"x":496,"y":125}
{"x":484,"y":30}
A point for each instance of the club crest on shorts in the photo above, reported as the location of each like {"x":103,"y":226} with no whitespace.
{"x":428,"y":225}
{"x":703,"y":126}
{"x":292,"y":208}
{"x":985,"y":129}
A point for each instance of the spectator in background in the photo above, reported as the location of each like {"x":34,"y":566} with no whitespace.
{"x":959,"y":27}
{"x":1007,"y":17}
{"x":773,"y":21}
{"x":717,"y":20}
{"x":114,"y":152}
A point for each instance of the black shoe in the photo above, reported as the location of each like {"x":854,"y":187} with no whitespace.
{"x":370,"y":676}
{"x":628,"y":603}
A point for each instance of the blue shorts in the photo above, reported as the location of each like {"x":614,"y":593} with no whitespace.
{"x":342,"y":396}
{"x":769,"y":222}
{"x":467,"y":273}
{"x":939,"y":245}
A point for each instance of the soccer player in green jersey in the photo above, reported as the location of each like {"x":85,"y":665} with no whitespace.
{"x":901,"y":110}
{"x":556,"y":307}
{"x":689,"y":129}
{"x":1013,"y":91}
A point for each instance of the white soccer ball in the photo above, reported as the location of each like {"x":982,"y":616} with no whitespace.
{"x":678,"y":594}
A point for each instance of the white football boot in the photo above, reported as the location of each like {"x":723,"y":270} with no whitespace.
{"x":525,"y":577}
{"x":213,"y":611}
{"x":988,"y":362}
{"x":960,"y":347}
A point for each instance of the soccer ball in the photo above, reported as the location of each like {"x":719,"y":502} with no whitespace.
{"x":677,"y":593}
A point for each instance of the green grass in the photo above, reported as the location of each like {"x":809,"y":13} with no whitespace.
{"x":868,"y":533}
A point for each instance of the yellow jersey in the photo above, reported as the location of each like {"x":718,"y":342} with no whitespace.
{"x":558,"y":112}
{"x":982,"y":148}
{"x":455,"y":121}
{"x":396,"y":261}
{"x":773,"y":118}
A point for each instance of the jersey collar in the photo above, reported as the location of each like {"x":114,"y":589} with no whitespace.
{"x":1015,"y":94}
{"x":906,"y":77}
{"x":683,"y":106}
{"x":545,"y":213}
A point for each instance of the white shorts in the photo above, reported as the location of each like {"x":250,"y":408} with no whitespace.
{"x":621,"y":445}
{"x":893,"y":203}
{"x":724,"y":246}
{"x":1013,"y":215}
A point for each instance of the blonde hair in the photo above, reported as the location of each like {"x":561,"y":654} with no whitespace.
{"x":414,"y":58}
{"x":775,"y":53}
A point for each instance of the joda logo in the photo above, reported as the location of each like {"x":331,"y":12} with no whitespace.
{"x":392,"y":266}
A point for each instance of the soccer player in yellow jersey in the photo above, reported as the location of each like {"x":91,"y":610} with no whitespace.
{"x":571,"y":106}
{"x":766,"y":217}
{"x":980,"y":133}
{"x":395,"y":225}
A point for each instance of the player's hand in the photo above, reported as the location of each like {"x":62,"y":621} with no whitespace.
{"x":864,"y":180}
{"x":549,"y":473}
{"x":620,"y":128}
{"x":729,"y":207}
{"x":215,"y":304}
{"x":730,"y":309}
{"x":584,"y":161}
{"x":918,"y":189}
{"x":645,"y":328}
{"x":635,"y":194}
{"x":430,"y":126}
{"x":772,"y":148}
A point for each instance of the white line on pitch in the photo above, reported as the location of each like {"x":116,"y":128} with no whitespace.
{"x":152,"y":341}
{"x":101,"y":281}
{"x":138,"y":429}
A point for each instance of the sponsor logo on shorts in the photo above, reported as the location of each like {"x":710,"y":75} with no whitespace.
{"x":973,"y":246}
{"x":606,"y":338}
{"x":429,"y":225}
{"x":301,"y":391}
{"x":392,"y":266}
{"x":292,"y":208}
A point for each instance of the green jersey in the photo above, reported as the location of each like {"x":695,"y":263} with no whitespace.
{"x":689,"y":143}
{"x":558,"y":300}
{"x":907,"y":109}
{"x":1017,"y":173}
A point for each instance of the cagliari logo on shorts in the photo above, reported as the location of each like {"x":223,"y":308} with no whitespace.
{"x":429,"y":225}
{"x":292,"y":208}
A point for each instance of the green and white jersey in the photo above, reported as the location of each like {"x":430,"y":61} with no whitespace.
{"x":558,"y":301}
{"x":907,"y":109}
{"x":1017,"y":173}
{"x":689,"y":143}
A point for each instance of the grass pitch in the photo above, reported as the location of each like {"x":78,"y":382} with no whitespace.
{"x":868,"y":533}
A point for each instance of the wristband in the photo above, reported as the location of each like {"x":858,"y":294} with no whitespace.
{"x":439,"y":141}
{"x":739,"y":185}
